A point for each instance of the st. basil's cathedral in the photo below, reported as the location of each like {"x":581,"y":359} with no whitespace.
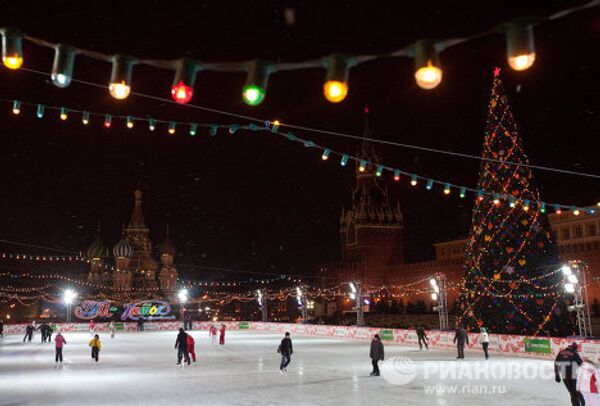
{"x":132,"y":265}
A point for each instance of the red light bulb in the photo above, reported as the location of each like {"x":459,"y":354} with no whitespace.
{"x":182,"y":93}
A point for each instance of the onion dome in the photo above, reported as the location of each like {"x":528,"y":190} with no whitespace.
{"x":97,"y":250}
{"x":123,"y":249}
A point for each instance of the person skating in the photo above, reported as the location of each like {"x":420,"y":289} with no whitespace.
{"x":190,"y":347}
{"x":212,"y":332}
{"x":112,"y":329}
{"x":422,"y":337}
{"x":286,"y":350}
{"x":59,"y":344}
{"x":222,"y":335}
{"x":181,"y":344}
{"x":565,"y":366}
{"x":141,"y":324}
{"x":460,"y":338}
{"x":1,"y":328}
{"x":485,"y":341}
{"x":92,"y":328}
{"x":376,"y":354}
{"x":588,"y":383}
{"x":46,"y":331}
{"x":29,"y":332}
{"x":96,"y":345}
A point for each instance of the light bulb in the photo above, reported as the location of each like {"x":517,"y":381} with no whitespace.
{"x":428,"y":77}
{"x":335,"y":87}
{"x":335,"y":91}
{"x":16,"y":107}
{"x":63,"y":114}
{"x":521,"y":62}
{"x":12,"y":49}
{"x":120,"y":90}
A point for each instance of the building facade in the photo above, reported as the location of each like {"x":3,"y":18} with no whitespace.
{"x":132,"y":265}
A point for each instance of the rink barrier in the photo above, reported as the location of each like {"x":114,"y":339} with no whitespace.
{"x":542,"y":347}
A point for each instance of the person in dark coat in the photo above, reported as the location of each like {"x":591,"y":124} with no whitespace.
{"x":461,"y":338}
{"x":141,"y":324}
{"x":422,"y":337}
{"x":376,"y":354}
{"x":286,"y":350}
{"x":181,"y":344}
{"x":46,"y":331}
{"x":29,"y":332}
{"x":565,"y":367}
{"x":1,"y":328}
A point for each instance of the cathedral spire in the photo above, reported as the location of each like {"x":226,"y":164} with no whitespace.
{"x":137,"y":216}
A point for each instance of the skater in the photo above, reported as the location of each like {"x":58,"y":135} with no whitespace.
{"x":588,"y":381}
{"x":181,"y":344}
{"x":141,"y":324}
{"x":95,"y":344}
{"x":112,"y":328}
{"x":92,"y":328}
{"x":188,"y":322}
{"x":60,"y":343}
{"x":422,"y":337}
{"x":565,"y":365}
{"x":485,"y":341}
{"x":46,"y":331}
{"x":460,"y":338}
{"x":222,"y":335}
{"x":1,"y":328}
{"x":29,"y":332}
{"x":212,"y":332}
{"x":286,"y":350}
{"x":190,"y":347}
{"x":376,"y":354}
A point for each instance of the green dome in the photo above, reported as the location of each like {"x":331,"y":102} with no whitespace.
{"x":97,"y":250}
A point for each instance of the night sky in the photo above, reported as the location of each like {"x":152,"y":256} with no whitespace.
{"x":253,"y":201}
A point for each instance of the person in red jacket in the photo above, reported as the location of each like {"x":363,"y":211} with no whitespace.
{"x":212,"y":332}
{"x":190,"y":343}
{"x":60,"y":343}
{"x":222,"y":335}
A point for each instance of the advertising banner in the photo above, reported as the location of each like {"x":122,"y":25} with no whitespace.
{"x":537,"y":345}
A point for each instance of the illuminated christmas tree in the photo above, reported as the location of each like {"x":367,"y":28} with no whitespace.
{"x":513,"y":282}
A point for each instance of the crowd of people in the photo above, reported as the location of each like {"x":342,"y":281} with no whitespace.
{"x":581,"y":377}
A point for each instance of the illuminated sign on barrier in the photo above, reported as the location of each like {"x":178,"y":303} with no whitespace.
{"x":152,"y":309}
{"x":90,"y":309}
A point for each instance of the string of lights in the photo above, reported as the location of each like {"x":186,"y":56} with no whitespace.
{"x":326,"y":154}
{"x":520,"y":49}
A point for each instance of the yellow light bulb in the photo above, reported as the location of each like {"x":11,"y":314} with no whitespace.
{"x":63,"y":116}
{"x":16,"y":110}
{"x":361,"y":168}
{"x":171,"y":131}
{"x":521,"y":62}
{"x":576,"y":212}
{"x":12,"y":62}
{"x":276,"y":122}
{"x":413,"y":183}
{"x":446,"y":191}
{"x":85,"y":121}
{"x":428,"y":77}
{"x":335,"y":91}
{"x":119,"y":91}
{"x":496,"y":202}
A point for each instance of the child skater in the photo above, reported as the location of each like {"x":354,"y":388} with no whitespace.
{"x":95,"y":344}
{"x":213,"y":334}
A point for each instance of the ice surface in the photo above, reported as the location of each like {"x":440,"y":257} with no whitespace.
{"x":139,"y":369}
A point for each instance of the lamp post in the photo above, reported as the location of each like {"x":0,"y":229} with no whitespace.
{"x":301,"y":298}
{"x":183,"y":297}
{"x":262,"y":304}
{"x":439,"y":295}
{"x":575,"y":283}
{"x":357,"y":295}
{"x":68,"y":297}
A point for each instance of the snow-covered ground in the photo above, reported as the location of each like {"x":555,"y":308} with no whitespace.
{"x":139,"y":369}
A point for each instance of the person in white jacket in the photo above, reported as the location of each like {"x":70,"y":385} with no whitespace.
{"x":484,"y":339}
{"x":588,"y":382}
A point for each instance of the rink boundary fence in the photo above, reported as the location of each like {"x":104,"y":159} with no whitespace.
{"x":539,"y":347}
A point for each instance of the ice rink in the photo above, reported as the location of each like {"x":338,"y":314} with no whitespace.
{"x":139,"y":369}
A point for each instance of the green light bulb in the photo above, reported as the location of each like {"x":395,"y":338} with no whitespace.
{"x":253,"y":95}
